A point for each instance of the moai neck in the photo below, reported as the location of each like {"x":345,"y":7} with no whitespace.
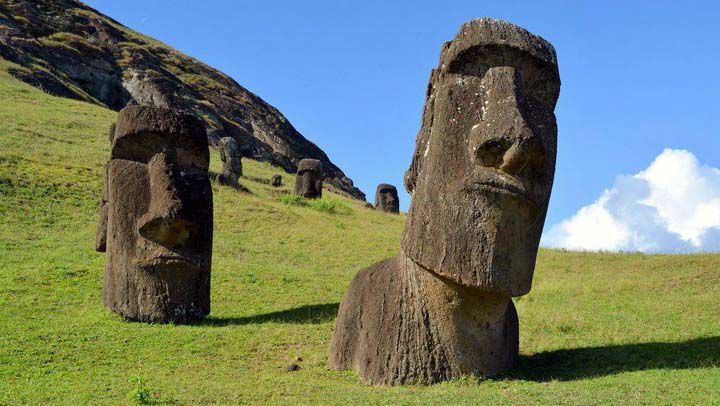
{"x":477,"y":331}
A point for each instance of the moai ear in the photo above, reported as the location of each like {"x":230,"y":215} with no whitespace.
{"x":101,"y":233}
{"x":423,"y":137}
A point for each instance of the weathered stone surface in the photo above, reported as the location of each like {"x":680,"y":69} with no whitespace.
{"x":101,"y":232}
{"x":309,"y":179}
{"x":159,"y":217}
{"x":386,"y":198}
{"x":481,"y":178}
{"x":232,"y":165}
{"x":87,"y":56}
{"x":276,"y":181}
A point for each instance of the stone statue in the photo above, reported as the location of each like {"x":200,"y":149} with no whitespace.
{"x":158,"y":217}
{"x":386,"y":198}
{"x":309,"y":179}
{"x":232,"y":164}
{"x":276,"y":181}
{"x":481,"y":178}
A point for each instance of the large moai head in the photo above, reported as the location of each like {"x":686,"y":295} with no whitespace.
{"x":386,"y":198}
{"x":159,"y":217}
{"x":484,"y":162}
{"x":309,"y":179}
{"x":230,"y":157}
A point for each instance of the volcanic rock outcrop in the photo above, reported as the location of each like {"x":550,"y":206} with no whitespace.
{"x":386,"y":198}
{"x":276,"y":181}
{"x":71,"y":50}
{"x":481,"y":178}
{"x":157,"y":216}
{"x":308,"y":183}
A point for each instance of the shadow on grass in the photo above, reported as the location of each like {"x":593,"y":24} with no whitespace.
{"x":581,"y":363}
{"x":310,"y":314}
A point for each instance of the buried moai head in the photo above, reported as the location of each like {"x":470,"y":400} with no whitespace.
{"x":386,"y":198}
{"x":309,"y":178}
{"x":484,"y":161}
{"x":276,"y":181}
{"x":159,"y":217}
{"x":230,"y":157}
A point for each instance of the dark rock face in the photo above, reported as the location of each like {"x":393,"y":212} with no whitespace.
{"x":308,"y":183}
{"x":386,"y":198}
{"x":159,"y":217}
{"x":71,"y":50}
{"x":276,"y":181}
{"x":232,"y":165}
{"x":481,"y":178}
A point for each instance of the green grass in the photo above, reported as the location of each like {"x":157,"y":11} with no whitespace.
{"x":596,"y":329}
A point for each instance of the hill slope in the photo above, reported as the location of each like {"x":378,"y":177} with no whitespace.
{"x":597,"y":328}
{"x":71,"y":50}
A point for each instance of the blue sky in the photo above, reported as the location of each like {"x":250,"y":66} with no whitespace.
{"x":637,"y":77}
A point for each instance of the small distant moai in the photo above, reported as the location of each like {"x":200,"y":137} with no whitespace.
{"x":156,"y":219}
{"x":386,"y":198}
{"x":481,"y":178}
{"x":309,"y":179}
{"x":232,"y":164}
{"x":276,"y":181}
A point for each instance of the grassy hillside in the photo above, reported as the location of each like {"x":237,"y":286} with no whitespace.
{"x":597,"y":328}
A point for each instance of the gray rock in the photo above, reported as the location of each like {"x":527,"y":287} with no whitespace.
{"x":480,"y":179}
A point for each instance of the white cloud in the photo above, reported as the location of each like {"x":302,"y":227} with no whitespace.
{"x":672,"y":206}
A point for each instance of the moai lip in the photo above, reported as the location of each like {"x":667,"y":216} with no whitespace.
{"x":157,"y":217}
{"x":480,"y":180}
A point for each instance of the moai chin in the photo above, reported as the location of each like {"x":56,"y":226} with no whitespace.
{"x":158,"y":217}
{"x":481,"y":177}
{"x":309,"y":179}
{"x":232,"y":164}
{"x":386,"y":198}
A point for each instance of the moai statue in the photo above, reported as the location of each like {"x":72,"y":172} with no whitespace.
{"x":309,"y":179}
{"x":386,"y":198}
{"x":232,"y":164}
{"x":276,"y":181}
{"x":481,"y":178}
{"x":158,"y":217}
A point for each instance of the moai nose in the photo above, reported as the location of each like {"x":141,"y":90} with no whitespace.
{"x":509,"y":143}
{"x":166,"y":222}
